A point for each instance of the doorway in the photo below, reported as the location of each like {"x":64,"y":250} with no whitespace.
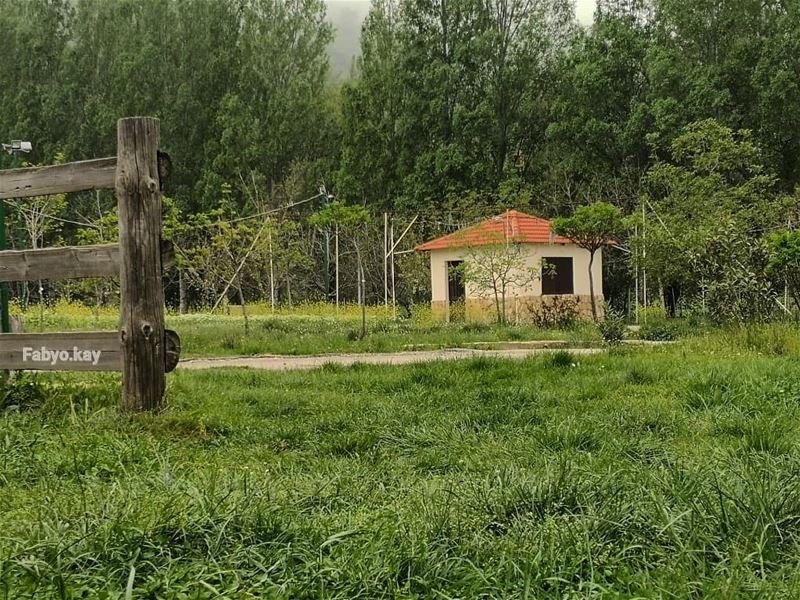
{"x":456,"y":291}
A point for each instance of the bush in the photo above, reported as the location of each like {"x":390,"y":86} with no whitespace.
{"x":557,"y":311}
{"x":612,"y":327}
{"x":23,"y":391}
{"x":561,"y":359}
{"x":658,"y":332}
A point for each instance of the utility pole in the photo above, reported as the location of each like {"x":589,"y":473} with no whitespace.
{"x":326,"y":260}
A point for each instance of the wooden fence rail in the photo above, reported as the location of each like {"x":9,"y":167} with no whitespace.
{"x":94,"y":174}
{"x":69,"y":262}
{"x":143,"y":349}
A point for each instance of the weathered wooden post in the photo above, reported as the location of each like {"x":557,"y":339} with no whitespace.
{"x":141,"y":290}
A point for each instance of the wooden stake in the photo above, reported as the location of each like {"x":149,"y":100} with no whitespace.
{"x":141,"y":289}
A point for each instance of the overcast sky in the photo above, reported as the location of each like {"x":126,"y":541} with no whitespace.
{"x":584,"y":10}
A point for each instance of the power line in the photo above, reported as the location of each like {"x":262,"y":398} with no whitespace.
{"x":54,"y":218}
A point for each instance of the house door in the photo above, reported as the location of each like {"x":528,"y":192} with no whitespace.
{"x":456,"y":291}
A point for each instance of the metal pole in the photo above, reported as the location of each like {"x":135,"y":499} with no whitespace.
{"x":644,"y":264}
{"x":327,"y":258}
{"x":20,"y":245}
{"x":271,"y":272}
{"x":636,"y":294}
{"x":394,"y":296}
{"x":385,"y":260}
{"x":5,"y":322}
{"x":336,"y":250}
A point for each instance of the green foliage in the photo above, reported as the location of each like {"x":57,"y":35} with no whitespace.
{"x":454,"y":111}
{"x":592,"y":226}
{"x":612,"y":327}
{"x":24,"y":391}
{"x":784,"y":261}
{"x":736,"y":283}
{"x":338,"y":214}
{"x":496,"y":270}
{"x":555,"y":311}
{"x":562,"y":359}
{"x":708,"y":209}
{"x":658,"y":331}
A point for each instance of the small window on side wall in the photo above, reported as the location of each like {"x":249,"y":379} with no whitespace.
{"x":557,"y":276}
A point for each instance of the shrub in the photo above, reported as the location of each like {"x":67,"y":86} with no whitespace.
{"x":476,"y":327}
{"x":658,"y":331}
{"x":561,"y":359}
{"x":555,"y":311}
{"x":24,"y":391}
{"x":612,"y":327}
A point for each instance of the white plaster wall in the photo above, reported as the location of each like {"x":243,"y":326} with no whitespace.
{"x":533,"y":259}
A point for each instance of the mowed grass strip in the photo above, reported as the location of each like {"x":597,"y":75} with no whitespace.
{"x":667,"y":473}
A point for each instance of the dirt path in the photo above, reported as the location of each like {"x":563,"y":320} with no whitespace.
{"x":280,"y":363}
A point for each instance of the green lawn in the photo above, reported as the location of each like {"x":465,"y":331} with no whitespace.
{"x":314,"y":329}
{"x":672,"y":472}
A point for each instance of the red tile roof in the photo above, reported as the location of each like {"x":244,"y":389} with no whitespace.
{"x":511,"y":225}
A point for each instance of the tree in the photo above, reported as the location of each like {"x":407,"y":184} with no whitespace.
{"x":447,"y":98}
{"x":493,"y":269}
{"x":784,"y":261}
{"x":348,"y":219}
{"x":712,"y":184}
{"x":596,"y":142}
{"x":592,"y":227}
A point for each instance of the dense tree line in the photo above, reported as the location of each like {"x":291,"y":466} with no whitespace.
{"x":455,"y":109}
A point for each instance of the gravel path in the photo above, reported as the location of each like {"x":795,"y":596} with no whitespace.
{"x":281,"y":363}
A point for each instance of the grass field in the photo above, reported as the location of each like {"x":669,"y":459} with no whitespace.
{"x":309,"y":329}
{"x":663,"y":473}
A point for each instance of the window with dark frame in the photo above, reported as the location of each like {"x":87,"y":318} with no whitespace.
{"x":557,"y":276}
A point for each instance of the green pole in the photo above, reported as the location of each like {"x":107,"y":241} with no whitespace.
{"x":20,"y":245}
{"x":5,"y":323}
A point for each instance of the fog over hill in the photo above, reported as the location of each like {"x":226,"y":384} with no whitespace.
{"x":347,"y":17}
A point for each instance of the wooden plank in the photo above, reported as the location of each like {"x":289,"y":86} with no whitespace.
{"x":70,"y":262}
{"x":73,"y":351}
{"x":141,"y":289}
{"x":77,"y":351}
{"x":58,"y":179}
{"x":60,"y":263}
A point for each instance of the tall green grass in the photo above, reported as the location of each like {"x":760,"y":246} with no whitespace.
{"x":666,"y":473}
{"x":306,"y":329}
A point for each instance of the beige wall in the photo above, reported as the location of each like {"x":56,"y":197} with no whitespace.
{"x":533,"y":255}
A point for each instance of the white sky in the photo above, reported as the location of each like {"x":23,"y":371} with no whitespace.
{"x":584,"y":9}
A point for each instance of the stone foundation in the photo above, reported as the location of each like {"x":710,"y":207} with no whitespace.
{"x":518,"y":310}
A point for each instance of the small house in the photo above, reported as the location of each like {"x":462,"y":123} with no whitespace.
{"x":519,"y":266}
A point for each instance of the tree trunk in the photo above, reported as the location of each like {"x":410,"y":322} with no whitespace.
{"x":503,"y":304}
{"x":591,"y":286}
{"x":244,"y":309}
{"x":181,"y":293}
{"x":361,"y":292}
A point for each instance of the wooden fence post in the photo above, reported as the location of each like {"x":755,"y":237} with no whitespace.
{"x":141,"y":290}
